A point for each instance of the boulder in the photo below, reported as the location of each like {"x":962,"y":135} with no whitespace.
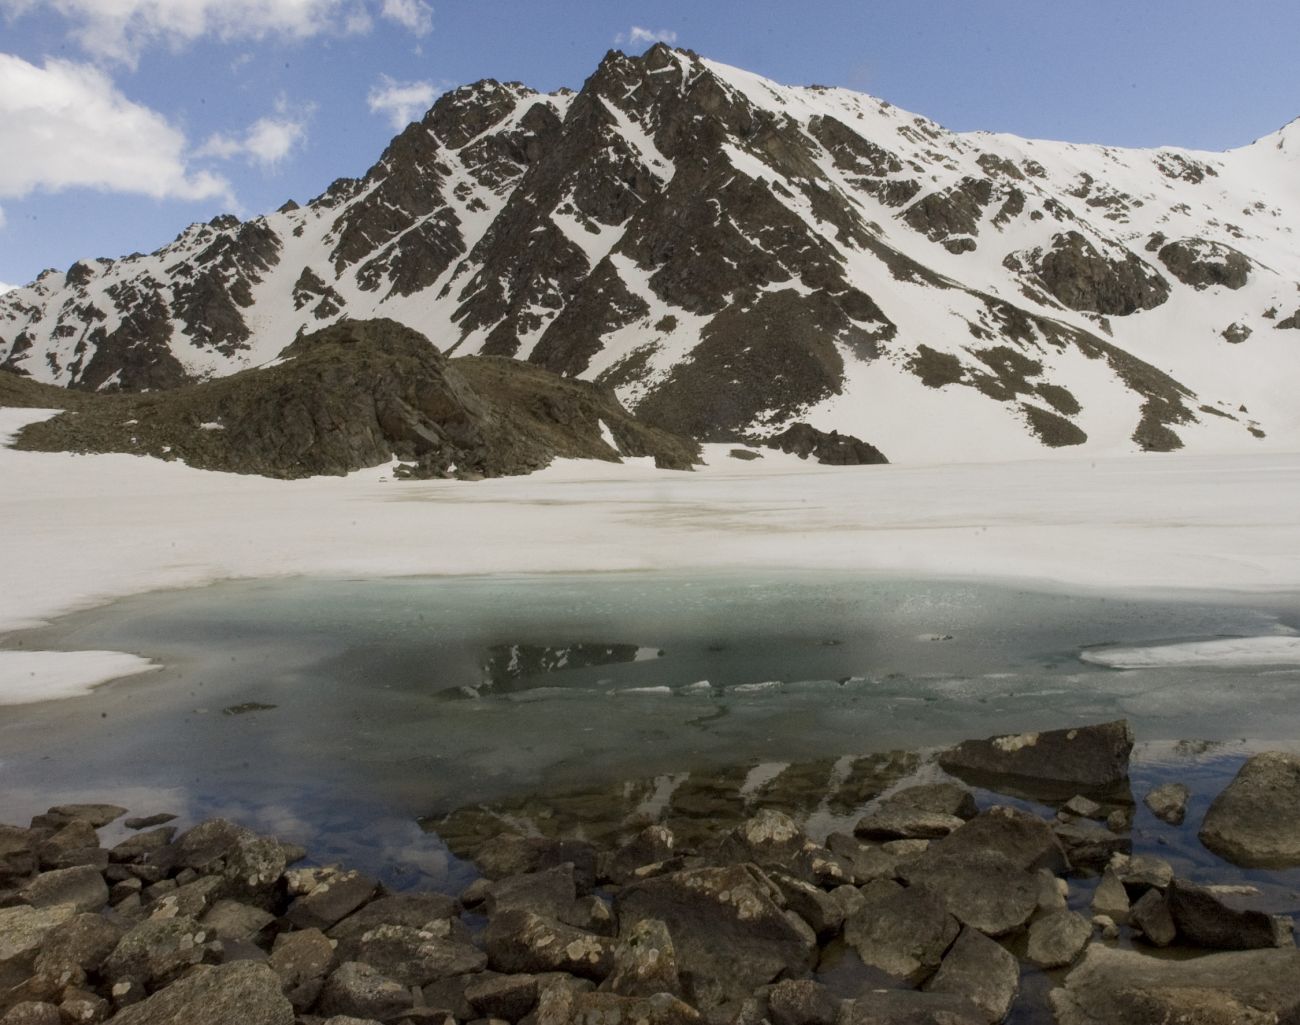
{"x":1204,"y":920}
{"x":157,"y":951}
{"x":801,"y":1002}
{"x":95,"y":815}
{"x":983,"y":889}
{"x":82,"y":943}
{"x":981,"y":971}
{"x":145,"y":821}
{"x":769,"y":839}
{"x":32,"y":1012}
{"x":904,"y":934}
{"x":302,"y":960}
{"x":550,"y":893}
{"x":23,"y":930}
{"x":241,"y":992}
{"x":1256,"y":821}
{"x":1240,"y":988}
{"x":865,"y":861}
{"x":823,"y":913}
{"x":521,"y":942}
{"x":1142,"y":872}
{"x":729,"y":933}
{"x":1025,"y":840}
{"x":17,"y":853}
{"x":940,"y":798}
{"x":645,"y":962}
{"x":1151,"y":916}
{"x":231,"y":920}
{"x":1086,"y":759}
{"x":901,"y":1007}
{"x":1089,"y":844}
{"x":903,"y":822}
{"x":562,"y":1005}
{"x":503,"y":997}
{"x":509,"y":854}
{"x":414,"y":957}
{"x":362,"y":992}
{"x":77,"y":835}
{"x":1058,"y":939}
{"x":1168,"y":802}
{"x":332,"y":901}
{"x":141,"y":845}
{"x":421,"y":910}
{"x":1111,"y":898}
{"x":82,"y":887}
{"x":653,"y":844}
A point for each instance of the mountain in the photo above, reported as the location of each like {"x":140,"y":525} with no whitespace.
{"x":731,"y":256}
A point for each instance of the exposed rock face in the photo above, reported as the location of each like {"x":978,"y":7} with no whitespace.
{"x":1057,"y":762}
{"x":1123,"y":985}
{"x":1201,"y":263}
{"x":1256,"y":820}
{"x":834,"y":449}
{"x":356,"y":394}
{"x":244,"y":992}
{"x":726,"y":253}
{"x":1083,"y":279}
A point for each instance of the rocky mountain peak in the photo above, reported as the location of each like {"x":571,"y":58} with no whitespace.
{"x":734,"y":256}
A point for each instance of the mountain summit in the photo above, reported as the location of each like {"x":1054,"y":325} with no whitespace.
{"x":732,"y":256}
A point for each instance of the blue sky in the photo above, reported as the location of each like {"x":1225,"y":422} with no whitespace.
{"x":121,"y":121}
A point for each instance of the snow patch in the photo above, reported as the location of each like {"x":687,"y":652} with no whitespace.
{"x":30,"y":676}
{"x":1228,"y":651}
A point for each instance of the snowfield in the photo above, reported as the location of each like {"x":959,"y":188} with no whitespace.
{"x":83,"y":530}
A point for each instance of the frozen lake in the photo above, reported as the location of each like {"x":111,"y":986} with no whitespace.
{"x":340,"y":712}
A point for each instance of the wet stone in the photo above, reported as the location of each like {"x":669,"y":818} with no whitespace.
{"x":1058,"y":939}
{"x":980,"y":970}
{"x":904,"y":934}
{"x":332,"y":901}
{"x":1205,"y":920}
{"x":362,"y":992}
{"x":81,"y":887}
{"x":1151,"y":916}
{"x":1169,"y":802}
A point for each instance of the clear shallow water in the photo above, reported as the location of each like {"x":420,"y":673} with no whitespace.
{"x":397,"y":700}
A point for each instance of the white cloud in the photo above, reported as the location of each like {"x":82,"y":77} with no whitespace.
{"x":66,"y":125}
{"x":638,"y":36}
{"x":401,"y":102}
{"x":414,"y":15}
{"x":121,"y":29}
{"x":267,"y":141}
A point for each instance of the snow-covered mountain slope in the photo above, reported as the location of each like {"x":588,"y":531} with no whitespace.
{"x":732,"y":255}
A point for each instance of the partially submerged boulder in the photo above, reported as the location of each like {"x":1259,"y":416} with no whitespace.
{"x":1053,"y":763}
{"x":1256,"y":821}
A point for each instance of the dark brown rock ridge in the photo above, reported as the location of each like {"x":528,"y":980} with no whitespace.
{"x":359,"y":394}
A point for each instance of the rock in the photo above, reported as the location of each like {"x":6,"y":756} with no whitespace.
{"x":814,"y":905}
{"x":729,"y":934}
{"x":1168,"y":802}
{"x":1201,"y":263}
{"x":32,"y":1012}
{"x":82,"y":887}
{"x":833,"y":448}
{"x":1151,"y":915}
{"x":1256,"y":821}
{"x":1106,"y":925}
{"x":645,"y":962}
{"x":744,"y":454}
{"x":1091,"y":759}
{"x":1052,"y":892}
{"x":508,"y":854}
{"x":653,"y":844}
{"x":1090,"y":845}
{"x":1110,"y":898}
{"x":849,"y":899}
{"x":332,"y":901}
{"x":801,"y":1002}
{"x":821,"y":867}
{"x":1204,"y":920}
{"x":241,"y":992}
{"x":1082,"y":807}
{"x":1058,"y":939}
{"x":905,"y":934}
{"x":561,"y":1005}
{"x":157,"y":951}
{"x":940,"y":798}
{"x":1240,"y":988}
{"x":93,"y":857}
{"x":521,"y":942}
{"x":770,"y":839}
{"x":1023,"y":839}
{"x":901,"y":822}
{"x":145,"y":821}
{"x":1084,"y":278}
{"x":981,"y":971}
{"x":866,"y":862}
{"x":231,"y":920}
{"x":362,"y":992}
{"x":191,"y":900}
{"x":23,"y":930}
{"x":550,"y":892}
{"x":982,"y":889}
{"x":82,"y":943}
{"x":82,"y":1008}
{"x":1142,"y":872}
{"x":77,"y":835}
{"x":133,"y":848}
{"x":503,"y":997}
{"x":302,"y":960}
{"x":95,"y":815}
{"x":415,"y":957}
{"x":421,"y":910}
{"x":17,"y":853}
{"x":896,"y":1007}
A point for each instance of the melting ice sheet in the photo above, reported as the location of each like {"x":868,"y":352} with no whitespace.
{"x":1227,"y":651}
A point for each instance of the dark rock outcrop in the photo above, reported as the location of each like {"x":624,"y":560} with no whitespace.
{"x":831,"y":448}
{"x":1081,"y":277}
{"x":356,"y":394}
{"x":1201,"y":263}
{"x":1087,"y":759}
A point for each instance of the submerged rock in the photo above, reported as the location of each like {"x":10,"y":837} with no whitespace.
{"x":1169,"y":802}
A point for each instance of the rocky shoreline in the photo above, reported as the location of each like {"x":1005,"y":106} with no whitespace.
{"x":932,"y":909}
